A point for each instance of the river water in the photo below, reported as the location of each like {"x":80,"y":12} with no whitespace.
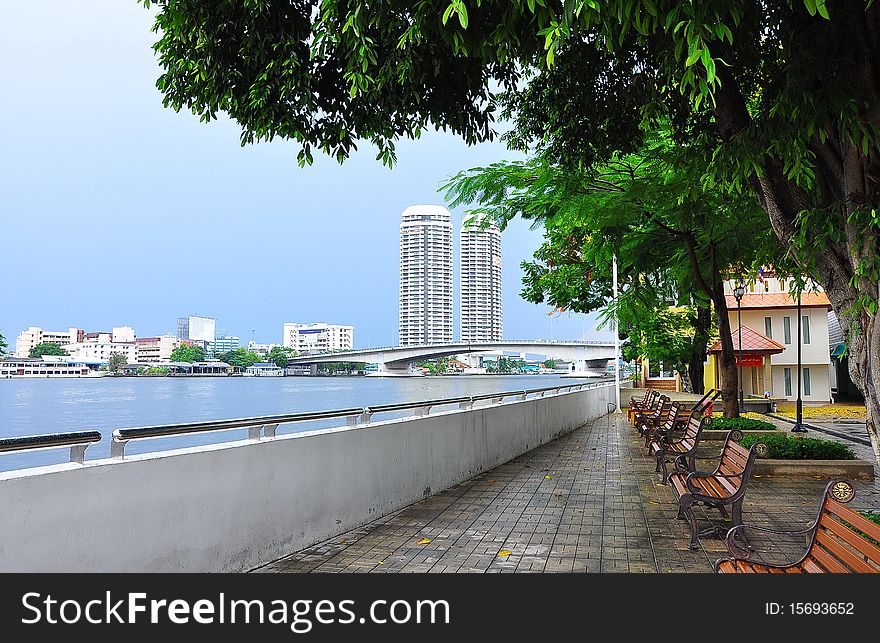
{"x":36,"y":406}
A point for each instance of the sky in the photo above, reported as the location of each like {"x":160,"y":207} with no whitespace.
{"x":116,"y":211}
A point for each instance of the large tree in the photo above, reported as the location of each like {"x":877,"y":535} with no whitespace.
{"x":188,"y":353}
{"x":47,"y":348}
{"x":791,"y":89}
{"x":644,"y":209}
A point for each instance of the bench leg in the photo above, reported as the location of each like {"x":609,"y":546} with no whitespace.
{"x":723,"y":511}
{"x":661,"y":460}
{"x":738,"y":512}
{"x":686,"y":510}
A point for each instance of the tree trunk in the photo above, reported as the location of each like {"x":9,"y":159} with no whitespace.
{"x":727,"y":358}
{"x":848,"y":179}
{"x":702,"y":326}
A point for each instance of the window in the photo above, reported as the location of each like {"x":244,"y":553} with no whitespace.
{"x":806,"y":382}
{"x":805,"y":321}
{"x":786,"y":329}
{"x":768,"y":327}
{"x":786,"y":373}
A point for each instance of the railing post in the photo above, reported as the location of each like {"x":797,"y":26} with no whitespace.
{"x":522,"y":396}
{"x":466,"y":405}
{"x":117,"y":448}
{"x":365,"y":417}
{"x":497,"y":400}
{"x":351,"y":420}
{"x":269,"y":430}
{"x":78,"y":453}
{"x":423,"y":411}
{"x":254,"y":432}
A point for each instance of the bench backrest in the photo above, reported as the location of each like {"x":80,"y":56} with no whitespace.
{"x":661,"y":410}
{"x":646,"y":396}
{"x":706,"y":401}
{"x":836,"y":546}
{"x":695,"y":425}
{"x":668,"y":422}
{"x":736,"y":464}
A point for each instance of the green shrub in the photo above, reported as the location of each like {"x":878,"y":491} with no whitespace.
{"x":743,"y":424}
{"x":872,"y":516}
{"x":785,"y":446}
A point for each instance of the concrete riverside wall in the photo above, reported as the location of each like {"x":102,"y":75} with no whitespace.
{"x":234,"y":506}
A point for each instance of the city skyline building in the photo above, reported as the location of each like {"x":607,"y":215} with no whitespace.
{"x":197,"y":328}
{"x":425,"y":305}
{"x":35,"y":335}
{"x":317,"y":337}
{"x":223,"y":344}
{"x":481,"y":315}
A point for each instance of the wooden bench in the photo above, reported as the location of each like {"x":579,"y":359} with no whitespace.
{"x":648,"y":403}
{"x":655,"y":417}
{"x":836,"y":546}
{"x":667,"y":424}
{"x":725,"y":486}
{"x":681,"y":451}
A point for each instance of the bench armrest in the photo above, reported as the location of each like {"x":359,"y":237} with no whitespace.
{"x":696,"y":474}
{"x":739,"y":552}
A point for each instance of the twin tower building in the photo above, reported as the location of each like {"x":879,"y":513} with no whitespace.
{"x":426,"y":310}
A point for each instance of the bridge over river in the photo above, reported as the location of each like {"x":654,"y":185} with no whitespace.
{"x":400,"y":360}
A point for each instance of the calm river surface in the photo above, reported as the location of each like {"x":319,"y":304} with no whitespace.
{"x":35,"y":406}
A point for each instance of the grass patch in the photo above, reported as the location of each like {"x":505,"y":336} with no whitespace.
{"x":741,"y":423}
{"x":785,"y":446}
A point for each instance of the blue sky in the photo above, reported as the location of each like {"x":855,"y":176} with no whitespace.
{"x":116,"y":211}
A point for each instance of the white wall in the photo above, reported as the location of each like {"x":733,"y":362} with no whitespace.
{"x":233,"y":506}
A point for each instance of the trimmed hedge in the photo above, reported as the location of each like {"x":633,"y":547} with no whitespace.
{"x":785,"y":446}
{"x":743,"y":424}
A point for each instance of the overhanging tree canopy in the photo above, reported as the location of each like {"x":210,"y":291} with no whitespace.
{"x":791,"y":89}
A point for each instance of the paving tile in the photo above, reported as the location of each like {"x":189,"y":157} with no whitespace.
{"x":603,"y":510}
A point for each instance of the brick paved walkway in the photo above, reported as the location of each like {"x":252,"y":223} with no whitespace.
{"x":588,"y":502}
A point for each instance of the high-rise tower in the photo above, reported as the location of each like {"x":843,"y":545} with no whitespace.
{"x":481,"y":315}
{"x":425,"y":276}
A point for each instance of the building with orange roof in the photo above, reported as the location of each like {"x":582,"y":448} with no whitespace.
{"x":770,"y":335}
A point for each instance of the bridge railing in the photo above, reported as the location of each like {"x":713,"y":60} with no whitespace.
{"x":265,"y":427}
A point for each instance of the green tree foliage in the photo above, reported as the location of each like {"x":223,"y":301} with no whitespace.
{"x":241,"y":358}
{"x":280,"y":356}
{"x":184,"y":353}
{"x":674,"y":244}
{"x":3,"y":346}
{"x":785,"y":91}
{"x":117,"y":361}
{"x":47,"y":348}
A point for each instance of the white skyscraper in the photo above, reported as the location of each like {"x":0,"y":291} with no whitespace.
{"x":425,"y":275}
{"x":481,"y":317}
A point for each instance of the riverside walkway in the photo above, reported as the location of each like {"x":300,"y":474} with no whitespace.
{"x":587,"y":502}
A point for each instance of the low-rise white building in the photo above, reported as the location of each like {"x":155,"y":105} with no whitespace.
{"x":35,"y":335}
{"x":769,"y":314}
{"x":155,"y":349}
{"x":318,"y":337}
{"x":262,"y":349}
{"x":101,"y":349}
{"x":123,"y":334}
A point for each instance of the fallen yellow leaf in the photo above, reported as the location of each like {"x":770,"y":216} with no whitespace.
{"x":504,"y":554}
{"x":424,"y":541}
{"x":547,"y":477}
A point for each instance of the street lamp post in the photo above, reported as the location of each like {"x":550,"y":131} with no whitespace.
{"x":738,"y":293}
{"x":799,"y":421}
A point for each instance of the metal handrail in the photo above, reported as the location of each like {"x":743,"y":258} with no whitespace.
{"x":78,"y":442}
{"x":260,"y":426}
{"x":256,"y":425}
